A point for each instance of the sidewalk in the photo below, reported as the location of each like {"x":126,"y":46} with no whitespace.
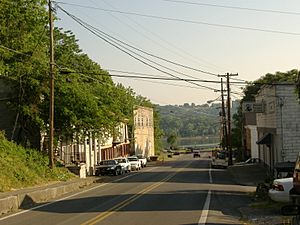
{"x":25,"y":198}
{"x":252,"y":175}
{"x":249,"y":175}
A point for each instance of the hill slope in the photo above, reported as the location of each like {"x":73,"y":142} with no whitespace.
{"x":22,"y":167}
{"x":189,"y":120}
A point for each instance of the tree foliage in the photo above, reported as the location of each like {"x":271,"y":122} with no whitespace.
{"x":86,"y":98}
{"x":189,"y":121}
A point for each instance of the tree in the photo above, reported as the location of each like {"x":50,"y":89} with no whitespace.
{"x":86,"y":98}
{"x":172,"y":139}
{"x":23,"y":58}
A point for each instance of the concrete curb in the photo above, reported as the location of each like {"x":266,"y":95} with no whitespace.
{"x":15,"y":200}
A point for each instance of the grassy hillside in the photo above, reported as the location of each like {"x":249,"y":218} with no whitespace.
{"x":22,"y":167}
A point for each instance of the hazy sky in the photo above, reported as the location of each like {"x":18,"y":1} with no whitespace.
{"x":259,"y":37}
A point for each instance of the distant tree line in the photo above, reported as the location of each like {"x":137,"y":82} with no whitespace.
{"x":190,"y":120}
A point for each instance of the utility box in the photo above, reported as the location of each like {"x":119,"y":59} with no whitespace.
{"x":82,"y":170}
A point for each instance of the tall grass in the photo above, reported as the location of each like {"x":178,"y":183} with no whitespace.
{"x":22,"y":167}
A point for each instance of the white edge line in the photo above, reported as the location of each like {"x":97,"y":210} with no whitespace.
{"x":204,"y":214}
{"x":205,"y":210}
{"x":70,"y":196}
{"x":210,"y":176}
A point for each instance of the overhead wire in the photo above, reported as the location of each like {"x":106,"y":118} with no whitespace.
{"x":14,"y":51}
{"x":153,"y":55}
{"x":158,"y":57}
{"x":186,"y":21}
{"x":150,"y":77}
{"x":234,"y":7}
{"x":128,"y":51}
{"x":179,"y":51}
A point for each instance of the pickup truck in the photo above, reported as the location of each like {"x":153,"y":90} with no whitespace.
{"x":142,"y":159}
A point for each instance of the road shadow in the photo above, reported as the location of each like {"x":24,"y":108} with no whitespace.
{"x":188,"y":200}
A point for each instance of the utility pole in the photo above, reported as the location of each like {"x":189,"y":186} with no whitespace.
{"x":224,"y":127}
{"x":229,"y":117}
{"x":51,"y":114}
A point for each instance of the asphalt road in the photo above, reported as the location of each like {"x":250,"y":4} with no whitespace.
{"x":180,"y":192}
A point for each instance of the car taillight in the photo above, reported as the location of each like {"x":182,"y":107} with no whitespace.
{"x":278,"y":187}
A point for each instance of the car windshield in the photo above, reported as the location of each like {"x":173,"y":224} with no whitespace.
{"x":221,"y":156}
{"x":140,"y":156}
{"x":121,"y":160}
{"x":132,"y":159}
{"x":108,"y":162}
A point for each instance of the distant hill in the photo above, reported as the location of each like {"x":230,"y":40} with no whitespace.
{"x":190,"y":120}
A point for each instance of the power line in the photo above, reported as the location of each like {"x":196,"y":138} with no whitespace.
{"x":149,"y":77}
{"x":179,"y":51}
{"x":13,"y":50}
{"x":152,"y":55}
{"x":130,"y":72}
{"x":235,"y":7}
{"x":186,"y":21}
{"x":128,"y":52}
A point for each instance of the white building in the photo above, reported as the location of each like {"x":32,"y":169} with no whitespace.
{"x":143,"y":131}
{"x":278,"y":126}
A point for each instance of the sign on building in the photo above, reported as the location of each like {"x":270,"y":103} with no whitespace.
{"x":253,"y":107}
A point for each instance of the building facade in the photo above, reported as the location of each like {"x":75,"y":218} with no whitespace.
{"x":143,"y":131}
{"x":278,"y":126}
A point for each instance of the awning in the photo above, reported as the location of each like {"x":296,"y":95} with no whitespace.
{"x":266,"y":139}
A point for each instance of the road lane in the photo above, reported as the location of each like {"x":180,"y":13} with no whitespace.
{"x":172,"y":193}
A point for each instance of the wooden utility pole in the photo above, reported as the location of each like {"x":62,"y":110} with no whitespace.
{"x":224,"y":127}
{"x":51,"y":114}
{"x":230,"y":162}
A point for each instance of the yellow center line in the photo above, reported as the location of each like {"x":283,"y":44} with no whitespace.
{"x":129,"y":200}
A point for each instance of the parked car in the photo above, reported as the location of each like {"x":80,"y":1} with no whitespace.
{"x":196,"y":154}
{"x":219,"y":159}
{"x":124,"y":162}
{"x":108,"y":167}
{"x":280,"y":191}
{"x":296,"y":177}
{"x":250,"y":161}
{"x":135,"y":163}
{"x":143,"y":160}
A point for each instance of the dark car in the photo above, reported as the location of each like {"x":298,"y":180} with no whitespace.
{"x":109,"y":167}
{"x":196,"y":154}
